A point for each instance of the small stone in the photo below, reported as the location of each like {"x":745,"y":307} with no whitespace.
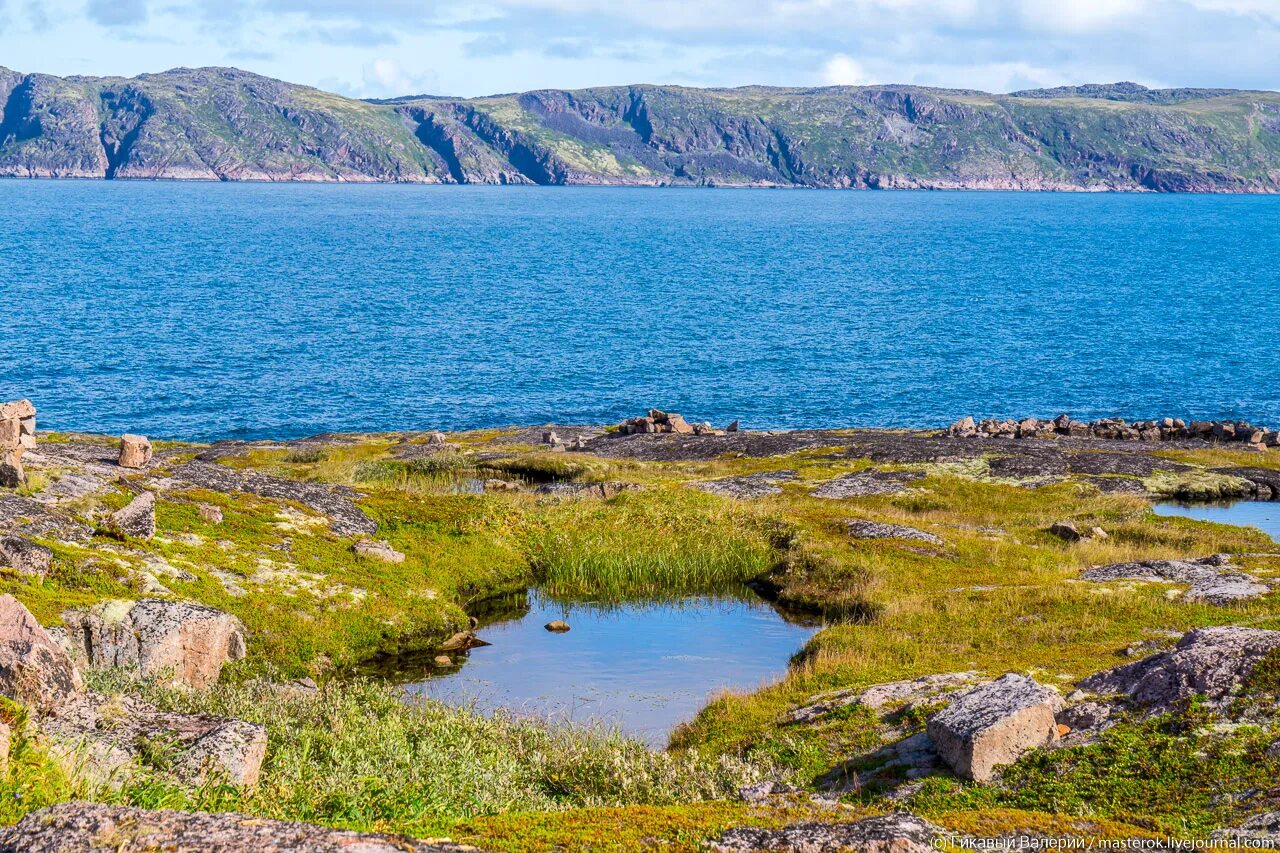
{"x":26,"y":558}
{"x":377,"y":551}
{"x":461,"y":641}
{"x":442,"y":660}
{"x":138,"y":518}
{"x":1098,"y":533}
{"x":210,"y":513}
{"x":135,"y":451}
{"x":550,"y":437}
{"x":1066,"y":531}
{"x":557,"y":626}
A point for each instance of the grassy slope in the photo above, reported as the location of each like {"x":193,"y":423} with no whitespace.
{"x":1000,"y":596}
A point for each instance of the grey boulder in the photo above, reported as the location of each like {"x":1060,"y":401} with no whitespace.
{"x":34,"y":669}
{"x":994,"y":724}
{"x":185,"y":643}
{"x":1209,"y":662}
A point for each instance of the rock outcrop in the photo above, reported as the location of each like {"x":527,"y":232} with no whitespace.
{"x":135,"y":451}
{"x":107,"y":737}
{"x":748,"y":486}
{"x":376,"y":550}
{"x":893,"y":833}
{"x":1117,"y":429}
{"x":994,"y":724}
{"x":860,"y":529}
{"x":17,"y":436}
{"x":1210,"y":662}
{"x":25,"y":557}
{"x":1206,"y":579}
{"x":88,"y":827}
{"x":865,"y":483}
{"x":34,"y":669}
{"x":188,"y":643}
{"x":138,"y":519}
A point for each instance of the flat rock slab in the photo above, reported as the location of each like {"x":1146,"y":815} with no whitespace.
{"x":1210,"y":662}
{"x":92,"y":828}
{"x":864,"y":483}
{"x":26,"y":517}
{"x":994,"y":724}
{"x":748,"y":487}
{"x":860,"y":529}
{"x":335,"y":502}
{"x":882,"y":697}
{"x":1206,"y":579}
{"x":893,"y":833}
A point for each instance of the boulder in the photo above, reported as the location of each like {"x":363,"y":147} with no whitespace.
{"x":900,"y":832}
{"x":377,"y":551}
{"x":732,"y":427}
{"x":34,"y":669}
{"x":462,"y":641}
{"x":210,"y":513}
{"x":135,"y":451}
{"x":80,"y":827}
{"x":186,"y":642}
{"x":1209,"y":662}
{"x":1066,"y":531}
{"x":106,"y":737}
{"x":927,"y":689}
{"x":557,"y":626}
{"x":994,"y":724}
{"x":12,"y":475}
{"x":963,"y":428}
{"x":678,"y":424}
{"x":24,"y":557}
{"x":436,"y":438}
{"x":138,"y":518}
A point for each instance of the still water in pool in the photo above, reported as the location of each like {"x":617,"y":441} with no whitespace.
{"x":641,"y":667}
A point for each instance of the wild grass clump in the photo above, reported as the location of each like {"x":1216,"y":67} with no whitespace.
{"x":304,"y":456}
{"x":354,"y":754}
{"x":633,"y":547}
{"x":437,"y":472}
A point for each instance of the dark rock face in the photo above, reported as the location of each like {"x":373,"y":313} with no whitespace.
{"x":893,"y":833}
{"x":87,"y":828}
{"x":1211,"y":662}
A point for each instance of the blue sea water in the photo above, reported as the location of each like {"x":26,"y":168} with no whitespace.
{"x":198,"y":311}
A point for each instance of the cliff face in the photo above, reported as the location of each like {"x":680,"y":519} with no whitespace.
{"x":225,"y":124}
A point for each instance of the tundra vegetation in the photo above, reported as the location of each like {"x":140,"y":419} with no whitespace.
{"x":989,"y":590}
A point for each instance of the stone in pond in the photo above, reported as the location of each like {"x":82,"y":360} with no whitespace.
{"x":557,"y":626}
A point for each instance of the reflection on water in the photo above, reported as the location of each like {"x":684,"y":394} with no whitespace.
{"x":643,"y":667}
{"x":1264,"y":515}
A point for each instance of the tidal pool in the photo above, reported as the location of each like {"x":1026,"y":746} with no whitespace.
{"x":1264,"y":515}
{"x":642,"y":667}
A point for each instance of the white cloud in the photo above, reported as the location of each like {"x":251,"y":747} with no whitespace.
{"x":387,"y":78}
{"x":842,"y":70}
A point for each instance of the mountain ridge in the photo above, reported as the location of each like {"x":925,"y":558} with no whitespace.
{"x":229,"y":124}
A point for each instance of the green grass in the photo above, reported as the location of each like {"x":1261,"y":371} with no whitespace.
{"x":357,"y":755}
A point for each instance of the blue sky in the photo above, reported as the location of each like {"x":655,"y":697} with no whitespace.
{"x":377,"y":48}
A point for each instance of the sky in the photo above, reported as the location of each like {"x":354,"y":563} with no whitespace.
{"x":384,"y":48}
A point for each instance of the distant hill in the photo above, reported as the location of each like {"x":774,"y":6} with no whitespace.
{"x":227,"y":124}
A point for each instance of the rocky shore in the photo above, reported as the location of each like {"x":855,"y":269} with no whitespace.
{"x":1031,"y":614}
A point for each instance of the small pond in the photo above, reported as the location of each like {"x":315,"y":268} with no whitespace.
{"x":641,"y":667}
{"x":1264,"y":515}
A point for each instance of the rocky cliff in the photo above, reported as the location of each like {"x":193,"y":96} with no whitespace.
{"x":226,"y":124}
